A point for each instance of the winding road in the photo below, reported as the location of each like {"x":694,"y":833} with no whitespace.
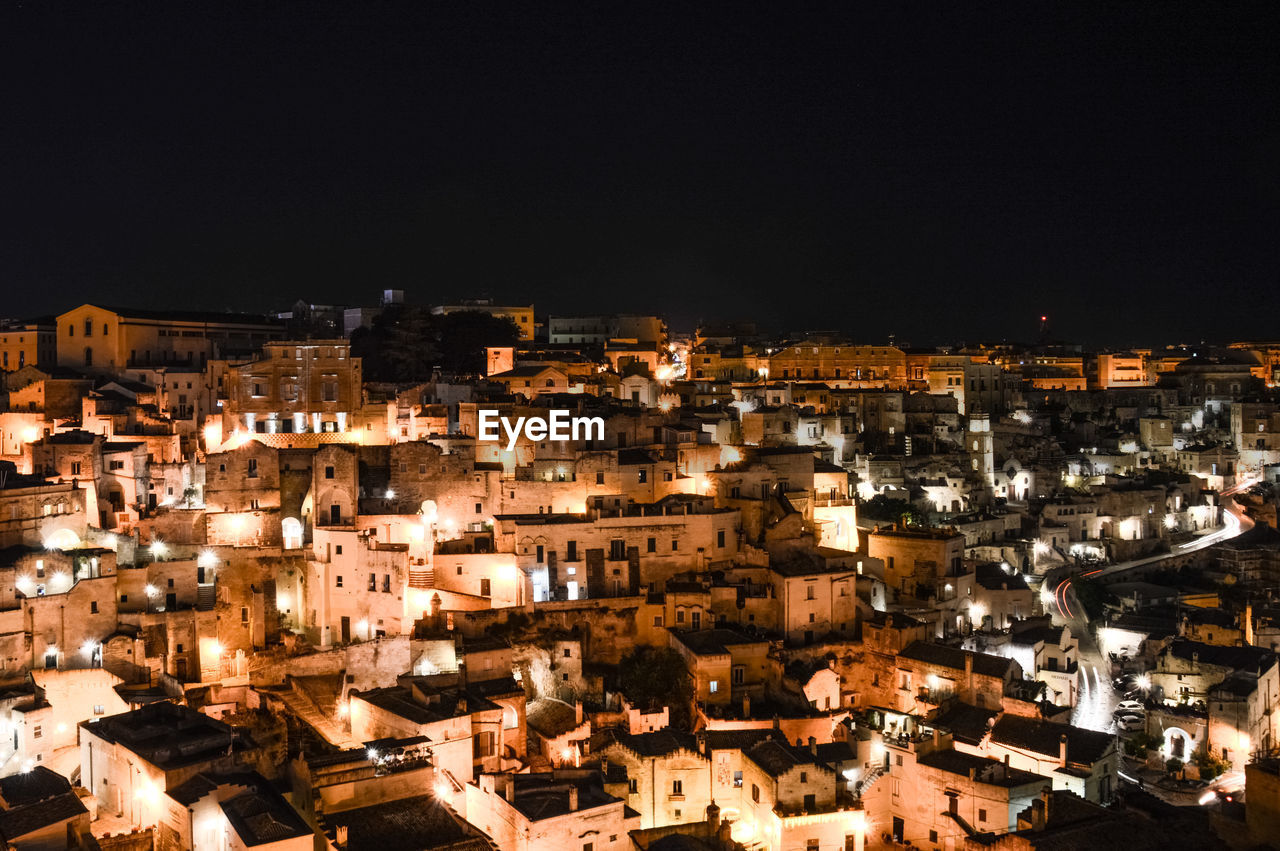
{"x":1097,"y":698}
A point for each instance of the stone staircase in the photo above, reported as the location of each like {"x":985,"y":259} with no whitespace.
{"x":865,"y":784}
{"x":206,"y":596}
{"x":314,"y":701}
{"x":422,"y":576}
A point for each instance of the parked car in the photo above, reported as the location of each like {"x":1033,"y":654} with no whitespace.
{"x":1131,"y":706}
{"x":1129,"y":723}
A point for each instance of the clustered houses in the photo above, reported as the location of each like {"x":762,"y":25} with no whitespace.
{"x":791,"y":594}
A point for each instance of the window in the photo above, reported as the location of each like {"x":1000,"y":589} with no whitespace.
{"x":373,"y":582}
{"x":982,"y":815}
{"x":244,"y":615}
{"x":677,"y":787}
{"x":933,"y":836}
{"x":633,"y":786}
{"x":99,"y":709}
{"x":386,"y":583}
{"x":804,"y":777}
{"x":720,"y":538}
{"x":479,"y":508}
{"x":36,"y":732}
{"x":338,"y":581}
{"x":337,"y":550}
{"x":599,"y":478}
{"x":485,"y":590}
{"x":739,"y":674}
{"x":809,"y":593}
{"x":568,"y":653}
{"x":755,"y":793}
{"x":93,"y":607}
{"x":651,"y":545}
{"x":675,"y":545}
{"x":715,"y":686}
{"x":617,"y":549}
{"x":328,"y":472}
{"x":737,"y":779}
{"x":75,"y":468}
{"x":644,"y":475}
{"x":88,"y":327}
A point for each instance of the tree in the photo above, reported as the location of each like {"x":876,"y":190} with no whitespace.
{"x":651,"y":677}
{"x":405,"y":343}
{"x":1093,"y":596}
{"x":883,"y":508}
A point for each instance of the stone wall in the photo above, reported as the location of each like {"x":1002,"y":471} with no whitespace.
{"x":369,"y":664}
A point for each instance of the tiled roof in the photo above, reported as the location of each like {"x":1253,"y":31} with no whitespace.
{"x":1083,"y":746}
{"x":984,"y":664}
{"x":408,"y":824}
{"x":20,"y":821}
{"x":659,"y":742}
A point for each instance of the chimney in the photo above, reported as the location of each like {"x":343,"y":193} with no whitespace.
{"x":726,"y":835}
{"x":813,"y":746}
{"x":340,"y":835}
{"x":1248,"y":623}
{"x":746,"y":705}
{"x":573,"y":799}
{"x":509,"y":789}
{"x":1037,"y":814}
{"x":1062,"y":750}
{"x":577,"y":712}
{"x":968,"y":669}
{"x":713,"y":817}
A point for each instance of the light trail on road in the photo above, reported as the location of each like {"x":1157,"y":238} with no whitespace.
{"x":1097,"y":698}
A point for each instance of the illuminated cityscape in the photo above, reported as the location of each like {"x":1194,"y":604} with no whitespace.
{"x":425,"y":429}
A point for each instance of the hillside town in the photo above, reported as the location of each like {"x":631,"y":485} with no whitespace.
{"x":265,"y":586}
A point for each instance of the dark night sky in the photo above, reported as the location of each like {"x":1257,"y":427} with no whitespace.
{"x":948,"y":172}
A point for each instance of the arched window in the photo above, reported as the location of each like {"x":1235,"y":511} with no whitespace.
{"x":291,"y":530}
